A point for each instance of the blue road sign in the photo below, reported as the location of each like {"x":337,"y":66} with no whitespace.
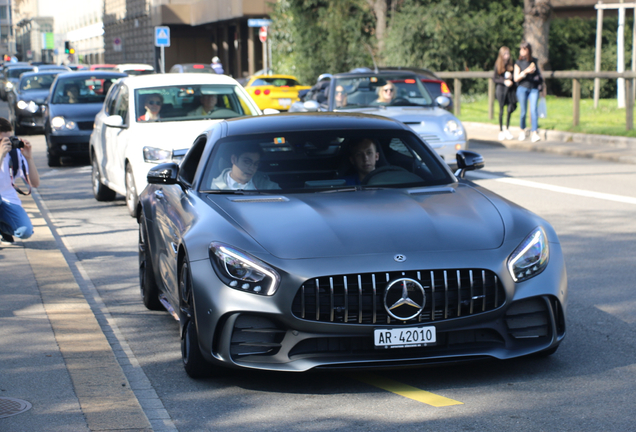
{"x":259,"y":22}
{"x":162,"y":36}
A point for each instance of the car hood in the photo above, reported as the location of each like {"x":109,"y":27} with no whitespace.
{"x":38,"y":96}
{"x":169,"y":135}
{"x":418,"y":118}
{"x":454,"y":218}
{"x":75,"y":112}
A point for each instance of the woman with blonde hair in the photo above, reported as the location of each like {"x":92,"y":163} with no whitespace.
{"x":386,"y":94}
{"x":505,"y":90}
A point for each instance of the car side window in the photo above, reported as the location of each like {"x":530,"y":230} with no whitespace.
{"x":190,"y":162}
{"x":121,"y":106}
{"x":111,"y":100}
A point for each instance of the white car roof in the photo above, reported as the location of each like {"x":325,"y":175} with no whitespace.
{"x":157,"y":80}
{"x":127,"y":66}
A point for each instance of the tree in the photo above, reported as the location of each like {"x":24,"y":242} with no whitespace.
{"x":536,"y":29}
{"x":380,"y":9}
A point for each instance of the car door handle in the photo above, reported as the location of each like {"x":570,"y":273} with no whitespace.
{"x":159,"y":194}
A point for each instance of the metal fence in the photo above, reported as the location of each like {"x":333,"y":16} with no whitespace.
{"x":575,"y":76}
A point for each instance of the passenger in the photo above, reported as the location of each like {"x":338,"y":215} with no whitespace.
{"x":244,"y":173}
{"x":386,"y":94}
{"x":153,"y":104}
{"x":341,"y":97}
{"x":363,"y":155}
{"x":71,"y":91}
{"x":208,"y":106}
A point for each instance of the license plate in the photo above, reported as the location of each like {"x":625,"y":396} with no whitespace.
{"x":404,"y":337}
{"x":284,"y":102}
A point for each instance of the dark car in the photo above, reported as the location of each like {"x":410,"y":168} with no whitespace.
{"x":271,"y":259}
{"x":192,"y":68}
{"x":51,"y":67}
{"x":27,"y":101}
{"x":75,"y":98}
{"x":11,"y":76}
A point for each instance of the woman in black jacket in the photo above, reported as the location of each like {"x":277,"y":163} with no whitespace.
{"x":529,"y":80}
{"x":505,"y":90}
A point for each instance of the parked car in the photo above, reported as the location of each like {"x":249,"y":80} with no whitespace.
{"x":100,"y":67}
{"x":411,"y":104}
{"x":192,"y":68}
{"x":414,"y":266}
{"x":27,"y":101}
{"x":274,"y":91}
{"x":135,"y":69}
{"x":75,"y":98}
{"x":128,"y":140}
{"x":11,"y":76}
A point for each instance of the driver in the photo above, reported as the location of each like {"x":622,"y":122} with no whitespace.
{"x":386,"y":94}
{"x":244,"y":173}
{"x":363,"y":155}
{"x":207,"y":107}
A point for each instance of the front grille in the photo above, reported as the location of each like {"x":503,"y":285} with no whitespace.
{"x":85,"y":125}
{"x":255,"y":335}
{"x":359,"y":298}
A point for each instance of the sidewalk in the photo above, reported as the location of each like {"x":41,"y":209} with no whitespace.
{"x":58,"y":371}
{"x":602,"y":147}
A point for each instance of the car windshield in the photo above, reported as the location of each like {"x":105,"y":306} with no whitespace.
{"x":322,"y":161}
{"x":192,"y":102}
{"x":16,"y":72}
{"x":85,"y":90}
{"x":37,"y":82}
{"x":276,"y":82}
{"x":362,"y":91}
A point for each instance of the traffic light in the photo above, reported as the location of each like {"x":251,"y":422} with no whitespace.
{"x":71,"y":51}
{"x":67,"y":47}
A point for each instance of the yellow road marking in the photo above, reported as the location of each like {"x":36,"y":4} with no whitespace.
{"x":406,"y":390}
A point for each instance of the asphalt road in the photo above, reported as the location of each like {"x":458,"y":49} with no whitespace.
{"x":586,"y":386}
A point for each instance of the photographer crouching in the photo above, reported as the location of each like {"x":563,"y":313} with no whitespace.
{"x":16,"y":161}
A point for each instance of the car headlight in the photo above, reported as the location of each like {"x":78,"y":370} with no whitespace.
{"x":531,"y":256}
{"x":453,"y":128}
{"x":243,"y":272}
{"x":22,"y":104}
{"x":32,"y":107}
{"x":157,"y":155}
{"x":8,"y":86}
{"x":59,"y":123}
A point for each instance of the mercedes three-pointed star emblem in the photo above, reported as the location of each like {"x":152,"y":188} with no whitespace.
{"x":404,"y":299}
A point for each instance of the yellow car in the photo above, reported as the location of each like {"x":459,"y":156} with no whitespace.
{"x":274,"y":91}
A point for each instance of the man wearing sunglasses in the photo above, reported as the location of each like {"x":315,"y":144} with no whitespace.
{"x":153,"y":104}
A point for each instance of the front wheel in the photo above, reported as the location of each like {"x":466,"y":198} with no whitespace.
{"x":147,"y":282}
{"x":100,"y":190}
{"x":132,"y":201}
{"x":193,"y":362}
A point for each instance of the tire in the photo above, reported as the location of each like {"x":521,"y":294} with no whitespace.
{"x":100,"y":190}
{"x":147,"y":283}
{"x":132,"y":200}
{"x":193,"y":362}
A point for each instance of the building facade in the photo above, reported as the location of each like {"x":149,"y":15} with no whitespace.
{"x":199,"y":30}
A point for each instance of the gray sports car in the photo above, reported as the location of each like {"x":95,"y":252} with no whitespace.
{"x":334,"y":240}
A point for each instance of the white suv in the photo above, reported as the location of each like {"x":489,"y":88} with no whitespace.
{"x":151,"y":119}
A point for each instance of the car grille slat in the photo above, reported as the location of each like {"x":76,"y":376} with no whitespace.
{"x":359,"y":298}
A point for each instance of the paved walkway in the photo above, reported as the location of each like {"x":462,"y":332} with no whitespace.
{"x":59,"y":371}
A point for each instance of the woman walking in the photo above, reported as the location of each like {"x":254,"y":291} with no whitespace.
{"x":528,"y":78}
{"x":505,"y":90}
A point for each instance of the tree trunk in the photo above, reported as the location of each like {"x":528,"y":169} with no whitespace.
{"x":536,"y":29}
{"x":380,"y":9}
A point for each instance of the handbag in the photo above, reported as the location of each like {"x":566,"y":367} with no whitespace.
{"x":538,"y":78}
{"x":542,"y":108}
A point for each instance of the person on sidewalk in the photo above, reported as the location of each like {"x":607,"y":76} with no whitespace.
{"x":505,"y":90}
{"x":528,"y":78}
{"x":217,"y":66}
{"x":14,"y":163}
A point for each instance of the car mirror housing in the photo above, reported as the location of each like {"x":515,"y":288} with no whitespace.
{"x":268,"y":111}
{"x":311,"y":105}
{"x":165,"y":173}
{"x":442,"y":101}
{"x":114,"y":121}
{"x":468,"y":161}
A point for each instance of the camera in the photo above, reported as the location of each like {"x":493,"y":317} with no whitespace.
{"x":16,"y":143}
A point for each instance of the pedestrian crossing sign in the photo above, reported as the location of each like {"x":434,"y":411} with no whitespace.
{"x":162,"y":36}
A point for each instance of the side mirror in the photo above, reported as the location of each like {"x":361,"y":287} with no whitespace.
{"x":268,"y":111}
{"x":115,"y":121}
{"x":442,"y":101}
{"x":311,"y":106}
{"x":165,"y":173}
{"x":468,"y":161}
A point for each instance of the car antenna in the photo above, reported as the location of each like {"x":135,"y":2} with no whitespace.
{"x":375,"y":65}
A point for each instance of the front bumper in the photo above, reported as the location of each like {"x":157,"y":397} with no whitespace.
{"x":72,"y":143}
{"x":238,"y":329}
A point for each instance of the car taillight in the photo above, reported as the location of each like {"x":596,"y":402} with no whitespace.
{"x":257,"y":92}
{"x":198,"y":66}
{"x":266,"y":92}
{"x":445,"y":89}
{"x":409,"y":81}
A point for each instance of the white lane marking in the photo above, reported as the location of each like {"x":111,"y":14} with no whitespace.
{"x":559,"y":189}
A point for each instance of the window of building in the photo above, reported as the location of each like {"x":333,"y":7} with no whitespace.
{"x":3,"y":12}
